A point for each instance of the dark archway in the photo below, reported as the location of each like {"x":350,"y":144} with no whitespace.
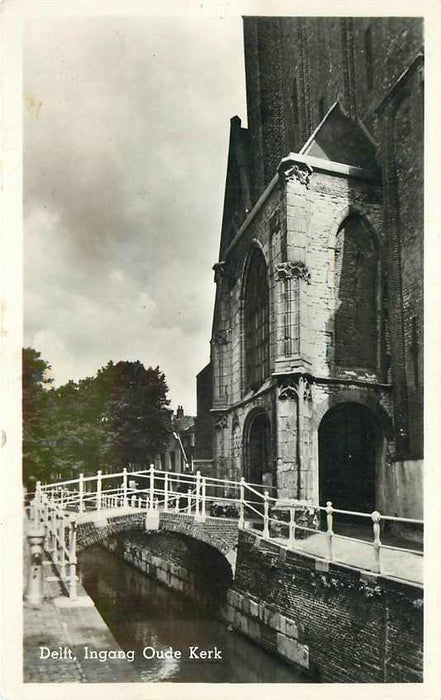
{"x":258,"y":468}
{"x":349,"y":442}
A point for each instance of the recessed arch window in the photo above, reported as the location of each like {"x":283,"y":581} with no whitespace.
{"x":256,"y":321}
{"x":356,"y":282}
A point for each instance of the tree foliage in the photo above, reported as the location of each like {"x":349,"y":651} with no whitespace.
{"x":35,"y":381}
{"x":116,"y":419}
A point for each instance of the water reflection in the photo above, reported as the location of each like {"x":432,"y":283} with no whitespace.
{"x":142,"y":613}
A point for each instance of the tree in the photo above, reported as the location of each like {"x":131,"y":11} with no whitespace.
{"x":116,"y":419}
{"x":36,"y":450}
{"x":135,"y":412}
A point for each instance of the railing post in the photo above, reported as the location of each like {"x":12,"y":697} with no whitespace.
{"x":63,"y":548}
{"x":165,"y":491}
{"x":177,"y":504}
{"x":45,"y":514}
{"x":152,"y":484}
{"x":73,"y":560}
{"x":55,"y":557}
{"x":125,"y":487}
{"x":98,"y":489}
{"x":34,"y":592}
{"x":266,"y":514}
{"x":292,"y":525}
{"x":81,"y":496}
{"x":198,"y":493}
{"x":330,"y":531}
{"x":62,"y":498}
{"x":133,"y":501}
{"x":189,"y":501}
{"x":204,"y":496}
{"x":242,"y":503}
{"x":37,"y":500}
{"x":376,"y":517}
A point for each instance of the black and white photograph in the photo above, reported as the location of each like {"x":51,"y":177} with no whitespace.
{"x":222,"y":430}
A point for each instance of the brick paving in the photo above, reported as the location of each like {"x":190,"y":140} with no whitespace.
{"x":72,"y":627}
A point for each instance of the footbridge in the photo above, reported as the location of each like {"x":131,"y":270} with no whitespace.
{"x":76,"y":513}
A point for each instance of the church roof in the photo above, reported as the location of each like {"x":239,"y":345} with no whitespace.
{"x":340,"y":139}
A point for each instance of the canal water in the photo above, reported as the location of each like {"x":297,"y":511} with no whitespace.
{"x":143,"y":614}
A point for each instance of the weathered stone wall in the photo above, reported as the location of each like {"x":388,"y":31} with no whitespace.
{"x":192,"y":568}
{"x":333,"y":621}
{"x":296,"y":68}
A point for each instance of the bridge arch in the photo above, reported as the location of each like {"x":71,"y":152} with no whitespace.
{"x":185,"y":559}
{"x":100,"y":527}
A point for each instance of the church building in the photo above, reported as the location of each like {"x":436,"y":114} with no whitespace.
{"x":315,"y":383}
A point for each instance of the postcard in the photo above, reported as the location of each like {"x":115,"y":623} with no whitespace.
{"x":218,"y":323}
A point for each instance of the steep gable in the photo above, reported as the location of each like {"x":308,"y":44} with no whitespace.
{"x":342,"y":140}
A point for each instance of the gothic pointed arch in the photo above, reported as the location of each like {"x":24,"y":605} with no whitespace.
{"x":357,"y":280}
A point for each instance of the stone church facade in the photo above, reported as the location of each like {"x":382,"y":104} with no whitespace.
{"x":315,"y":383}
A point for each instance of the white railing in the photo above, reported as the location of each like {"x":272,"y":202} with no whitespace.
{"x":62,"y":505}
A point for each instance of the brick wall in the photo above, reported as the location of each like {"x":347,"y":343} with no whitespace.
{"x":333,"y":622}
{"x":326,"y":57}
{"x":347,"y":626}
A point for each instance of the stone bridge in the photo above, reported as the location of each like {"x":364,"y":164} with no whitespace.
{"x":220,"y":533}
{"x":347,"y":608}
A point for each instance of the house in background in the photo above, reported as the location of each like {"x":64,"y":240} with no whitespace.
{"x":178,"y":455}
{"x":315,"y":382}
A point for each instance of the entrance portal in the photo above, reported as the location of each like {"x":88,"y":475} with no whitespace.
{"x":348,"y":442}
{"x":258,"y":463}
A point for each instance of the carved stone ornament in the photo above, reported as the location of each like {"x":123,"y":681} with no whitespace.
{"x":292,"y":269}
{"x":224,"y":271}
{"x":219,"y":271}
{"x":288,"y":391}
{"x":307,"y":393}
{"x":305,"y":389}
{"x":220,"y":337}
{"x":221,"y":422}
{"x":236,"y":423}
{"x":291,"y":391}
{"x":301,"y":173}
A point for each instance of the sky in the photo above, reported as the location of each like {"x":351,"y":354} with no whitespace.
{"x":126,"y":128}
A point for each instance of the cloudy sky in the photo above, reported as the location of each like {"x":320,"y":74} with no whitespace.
{"x":126,"y":128}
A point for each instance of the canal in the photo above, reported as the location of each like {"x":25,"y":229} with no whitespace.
{"x":143,"y":614}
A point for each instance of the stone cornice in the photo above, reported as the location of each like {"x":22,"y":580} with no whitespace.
{"x":322,"y":165}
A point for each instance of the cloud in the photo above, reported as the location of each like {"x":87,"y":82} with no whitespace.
{"x":124,"y":173}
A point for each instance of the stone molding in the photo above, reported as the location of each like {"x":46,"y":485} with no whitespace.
{"x":292,"y":269}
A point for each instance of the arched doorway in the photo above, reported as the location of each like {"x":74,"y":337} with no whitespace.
{"x":349,"y":440}
{"x":257,"y":450}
